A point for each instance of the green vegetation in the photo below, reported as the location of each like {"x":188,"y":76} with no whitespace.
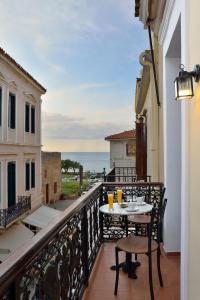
{"x":70,"y":186}
{"x":73,"y":188}
{"x":67,"y":164}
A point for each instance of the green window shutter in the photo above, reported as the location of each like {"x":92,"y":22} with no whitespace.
{"x":32,"y":174}
{"x":12,"y":111}
{"x":11,"y":183}
{"x":27,"y":117}
{"x":0,"y":106}
{"x":32,"y":119}
{"x":27,"y":174}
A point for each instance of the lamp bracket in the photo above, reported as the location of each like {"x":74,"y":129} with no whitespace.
{"x":196,"y":73}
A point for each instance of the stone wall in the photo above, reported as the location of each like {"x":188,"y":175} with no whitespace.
{"x":51,"y":176}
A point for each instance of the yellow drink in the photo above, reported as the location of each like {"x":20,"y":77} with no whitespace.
{"x":110,"y":201}
{"x":119,"y":196}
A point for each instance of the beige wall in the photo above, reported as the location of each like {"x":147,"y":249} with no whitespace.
{"x":194,"y":156}
{"x":15,"y":144}
{"x":118,"y":154}
{"x":51,"y":175}
{"x":151,"y":108}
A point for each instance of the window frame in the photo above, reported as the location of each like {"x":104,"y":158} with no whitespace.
{"x":11,"y":116}
{"x":32,"y":175}
{"x":27,"y":176}
{"x":32,"y":119}
{"x":12,"y":113}
{"x":27,"y":115}
{"x":1,"y":105}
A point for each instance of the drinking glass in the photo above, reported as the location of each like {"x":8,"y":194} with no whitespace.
{"x":119,"y":196}
{"x":110,"y":200}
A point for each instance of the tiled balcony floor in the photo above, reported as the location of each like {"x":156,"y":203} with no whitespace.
{"x":102,"y":281}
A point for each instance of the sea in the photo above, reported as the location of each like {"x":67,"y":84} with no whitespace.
{"x":91,"y":161}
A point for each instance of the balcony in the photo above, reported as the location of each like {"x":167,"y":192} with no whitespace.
{"x":10,"y":214}
{"x":125,"y":174}
{"x":58,"y":262}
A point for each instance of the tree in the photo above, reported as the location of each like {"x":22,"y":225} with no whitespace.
{"x":67,"y":163}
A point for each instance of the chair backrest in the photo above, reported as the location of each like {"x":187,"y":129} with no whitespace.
{"x":159,"y":222}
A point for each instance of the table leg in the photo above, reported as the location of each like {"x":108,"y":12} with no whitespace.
{"x":128,"y":265}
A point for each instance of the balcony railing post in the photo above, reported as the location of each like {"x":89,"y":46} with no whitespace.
{"x":101,"y":202}
{"x":84,"y":233}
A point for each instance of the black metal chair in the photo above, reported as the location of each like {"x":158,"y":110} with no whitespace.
{"x":141,"y":220}
{"x":143,"y":245}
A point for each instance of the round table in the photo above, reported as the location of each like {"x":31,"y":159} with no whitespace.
{"x":118,"y":210}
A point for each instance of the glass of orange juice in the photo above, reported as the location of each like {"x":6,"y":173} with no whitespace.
{"x":119,"y":196}
{"x":110,"y":200}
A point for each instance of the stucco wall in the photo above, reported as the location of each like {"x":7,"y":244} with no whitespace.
{"x":151,"y":109}
{"x":194,"y":154}
{"x":51,"y":175}
{"x":15,"y":144}
{"x":118,"y":154}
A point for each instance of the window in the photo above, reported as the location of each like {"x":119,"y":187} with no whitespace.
{"x":32,"y":119}
{"x":11,"y":111}
{"x":11,"y":183}
{"x":27,"y":176}
{"x":45,"y":173}
{"x":0,"y":106}
{"x":0,"y":183}
{"x":130,"y":150}
{"x":32,"y":174}
{"x":55,"y":187}
{"x":27,"y":117}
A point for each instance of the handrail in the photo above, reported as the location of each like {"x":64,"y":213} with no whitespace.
{"x":13,"y":266}
{"x":10,"y":214}
{"x":86,"y":210}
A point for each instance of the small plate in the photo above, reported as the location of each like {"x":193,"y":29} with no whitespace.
{"x":141,"y":203}
{"x":132,"y":209}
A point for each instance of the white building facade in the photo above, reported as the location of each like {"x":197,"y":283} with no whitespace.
{"x":122,"y":149}
{"x":176,"y":31}
{"x":20,"y":134}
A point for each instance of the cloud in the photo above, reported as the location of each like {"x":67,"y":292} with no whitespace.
{"x":95,"y":85}
{"x":64,"y":127}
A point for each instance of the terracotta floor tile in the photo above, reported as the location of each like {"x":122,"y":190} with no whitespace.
{"x":102,"y":280}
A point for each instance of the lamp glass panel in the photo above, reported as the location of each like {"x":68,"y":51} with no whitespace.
{"x":184,"y":88}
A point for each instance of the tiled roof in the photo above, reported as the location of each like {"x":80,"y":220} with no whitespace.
{"x":125,"y":135}
{"x":8,"y":57}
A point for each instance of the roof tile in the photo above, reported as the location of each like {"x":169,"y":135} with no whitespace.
{"x":129,"y":134}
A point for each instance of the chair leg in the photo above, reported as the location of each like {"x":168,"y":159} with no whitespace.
{"x":158,"y":266}
{"x":150,"y":276}
{"x":117,"y":270}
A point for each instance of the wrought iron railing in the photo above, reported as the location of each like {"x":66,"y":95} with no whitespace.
{"x":57,"y":262}
{"x":8,"y":215}
{"x":125,"y":174}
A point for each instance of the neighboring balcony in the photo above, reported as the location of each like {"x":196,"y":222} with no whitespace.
{"x":12,"y":213}
{"x":58,"y":263}
{"x":124,"y":174}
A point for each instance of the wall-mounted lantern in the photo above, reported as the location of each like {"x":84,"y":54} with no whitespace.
{"x":184,"y":83}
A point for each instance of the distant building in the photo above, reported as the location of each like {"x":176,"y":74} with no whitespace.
{"x":20,"y":152}
{"x":20,"y":134}
{"x":51,"y":176}
{"x":122,"y":149}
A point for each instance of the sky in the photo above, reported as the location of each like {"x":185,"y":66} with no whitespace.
{"x":85,"y":53}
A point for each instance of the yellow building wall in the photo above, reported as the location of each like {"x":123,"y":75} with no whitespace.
{"x":152,"y":131}
{"x":194,"y":156}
